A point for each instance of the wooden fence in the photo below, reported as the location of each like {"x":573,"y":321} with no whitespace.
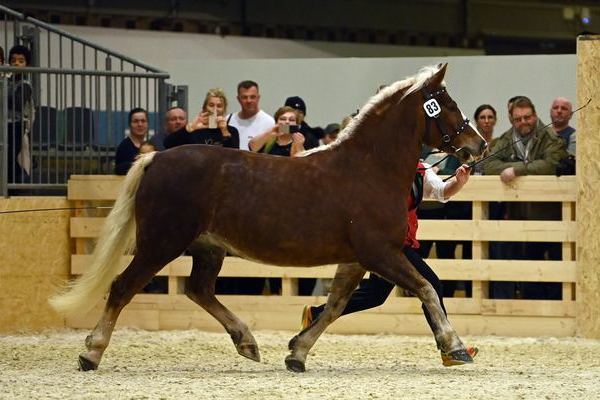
{"x":470,"y":315}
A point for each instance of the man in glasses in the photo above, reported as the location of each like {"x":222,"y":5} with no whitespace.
{"x":529,"y":148}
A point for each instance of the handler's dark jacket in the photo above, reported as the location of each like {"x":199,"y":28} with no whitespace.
{"x":546,"y":151}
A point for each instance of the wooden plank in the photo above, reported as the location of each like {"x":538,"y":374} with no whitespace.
{"x":232,"y":267}
{"x":479,"y":188}
{"x":524,"y":188}
{"x":358,"y":323}
{"x":478,"y":230}
{"x":546,"y":308}
{"x":498,"y":230}
{"x":94,"y":187}
{"x":505,"y":270}
{"x":447,"y":269}
{"x":393,"y":305}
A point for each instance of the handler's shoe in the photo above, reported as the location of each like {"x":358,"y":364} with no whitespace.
{"x":307,"y":317}
{"x":449,"y":361}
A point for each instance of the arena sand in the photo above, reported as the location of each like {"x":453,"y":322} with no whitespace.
{"x":203,"y":365}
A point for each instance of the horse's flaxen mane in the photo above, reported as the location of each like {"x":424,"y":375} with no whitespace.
{"x":409,"y":85}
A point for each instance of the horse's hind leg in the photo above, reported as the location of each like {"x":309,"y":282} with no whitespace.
{"x":347,"y":277}
{"x":143,"y":267}
{"x":201,"y":289}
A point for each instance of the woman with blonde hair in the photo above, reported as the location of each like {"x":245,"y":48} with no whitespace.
{"x":210,"y":125}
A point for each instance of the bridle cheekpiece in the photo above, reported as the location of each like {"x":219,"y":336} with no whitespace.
{"x":433,"y":109}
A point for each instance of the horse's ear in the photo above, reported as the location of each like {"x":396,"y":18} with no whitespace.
{"x":437,"y":78}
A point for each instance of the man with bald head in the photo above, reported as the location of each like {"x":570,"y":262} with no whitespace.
{"x":560,"y":114}
{"x":175,"y":119}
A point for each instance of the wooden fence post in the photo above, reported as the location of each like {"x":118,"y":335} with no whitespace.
{"x":588,"y":187}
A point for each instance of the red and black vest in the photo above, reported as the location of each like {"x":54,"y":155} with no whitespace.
{"x":414,"y":199}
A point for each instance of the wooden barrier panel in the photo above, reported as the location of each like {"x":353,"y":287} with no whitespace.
{"x":588,"y":190}
{"x":400,"y":314}
{"x":34,"y":258}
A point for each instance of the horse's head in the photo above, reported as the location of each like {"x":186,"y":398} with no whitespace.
{"x":446,"y":127}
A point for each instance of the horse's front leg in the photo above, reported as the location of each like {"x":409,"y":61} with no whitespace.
{"x":394,"y":266}
{"x":347,"y":277}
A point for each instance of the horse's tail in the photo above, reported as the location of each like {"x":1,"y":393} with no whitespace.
{"x":116,"y":238}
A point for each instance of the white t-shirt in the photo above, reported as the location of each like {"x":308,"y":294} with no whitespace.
{"x":248,"y":128}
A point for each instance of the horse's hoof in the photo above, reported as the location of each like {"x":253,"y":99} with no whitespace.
{"x":292,"y":343}
{"x":294,"y":365}
{"x":249,"y":351}
{"x":456,"y":357}
{"x":86,"y":364}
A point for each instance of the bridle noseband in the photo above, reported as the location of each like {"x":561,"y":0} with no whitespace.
{"x":432,"y":112}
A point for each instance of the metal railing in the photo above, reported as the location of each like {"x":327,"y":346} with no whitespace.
{"x":81,"y":95}
{"x":79,"y":121}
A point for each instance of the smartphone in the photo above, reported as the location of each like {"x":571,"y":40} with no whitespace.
{"x":212,"y":121}
{"x":289,"y":128}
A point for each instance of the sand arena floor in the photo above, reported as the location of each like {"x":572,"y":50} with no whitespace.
{"x":202,"y":365}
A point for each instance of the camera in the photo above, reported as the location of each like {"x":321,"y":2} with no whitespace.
{"x":289,"y":128}
{"x":212,"y":121}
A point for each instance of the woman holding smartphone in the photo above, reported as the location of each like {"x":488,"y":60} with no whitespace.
{"x":209,"y":127}
{"x":284,"y":138}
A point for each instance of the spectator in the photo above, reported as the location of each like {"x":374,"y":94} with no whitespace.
{"x":209,"y":127}
{"x":485,"y":120}
{"x":560,"y":114}
{"x":537,"y":152}
{"x":283,"y":138}
{"x":330,"y":134}
{"x":250,"y":120}
{"x":509,"y":106}
{"x":175,"y":119}
{"x":129,"y":148}
{"x":21,"y":114}
{"x":310,"y":139}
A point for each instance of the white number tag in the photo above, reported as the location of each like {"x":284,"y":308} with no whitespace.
{"x":432,"y":108}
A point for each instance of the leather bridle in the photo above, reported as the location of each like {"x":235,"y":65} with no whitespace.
{"x":433,"y":110}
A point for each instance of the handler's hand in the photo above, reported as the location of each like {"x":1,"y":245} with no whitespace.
{"x":462,"y":174}
{"x":508,"y":175}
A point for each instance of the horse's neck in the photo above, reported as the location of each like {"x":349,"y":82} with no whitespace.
{"x":389,"y":139}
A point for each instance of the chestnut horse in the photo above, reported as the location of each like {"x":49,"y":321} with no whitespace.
{"x":342,"y":203}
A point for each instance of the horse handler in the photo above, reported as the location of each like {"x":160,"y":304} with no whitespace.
{"x":374,"y":291}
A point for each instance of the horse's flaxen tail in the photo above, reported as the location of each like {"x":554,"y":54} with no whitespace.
{"x":116,"y":238}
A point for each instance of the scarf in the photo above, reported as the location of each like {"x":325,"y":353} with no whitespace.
{"x":523,"y":146}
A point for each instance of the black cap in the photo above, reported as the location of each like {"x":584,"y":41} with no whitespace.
{"x":296,"y":103}
{"x":331,"y":128}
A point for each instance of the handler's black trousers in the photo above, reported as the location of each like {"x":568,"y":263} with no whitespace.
{"x":374,"y":291}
